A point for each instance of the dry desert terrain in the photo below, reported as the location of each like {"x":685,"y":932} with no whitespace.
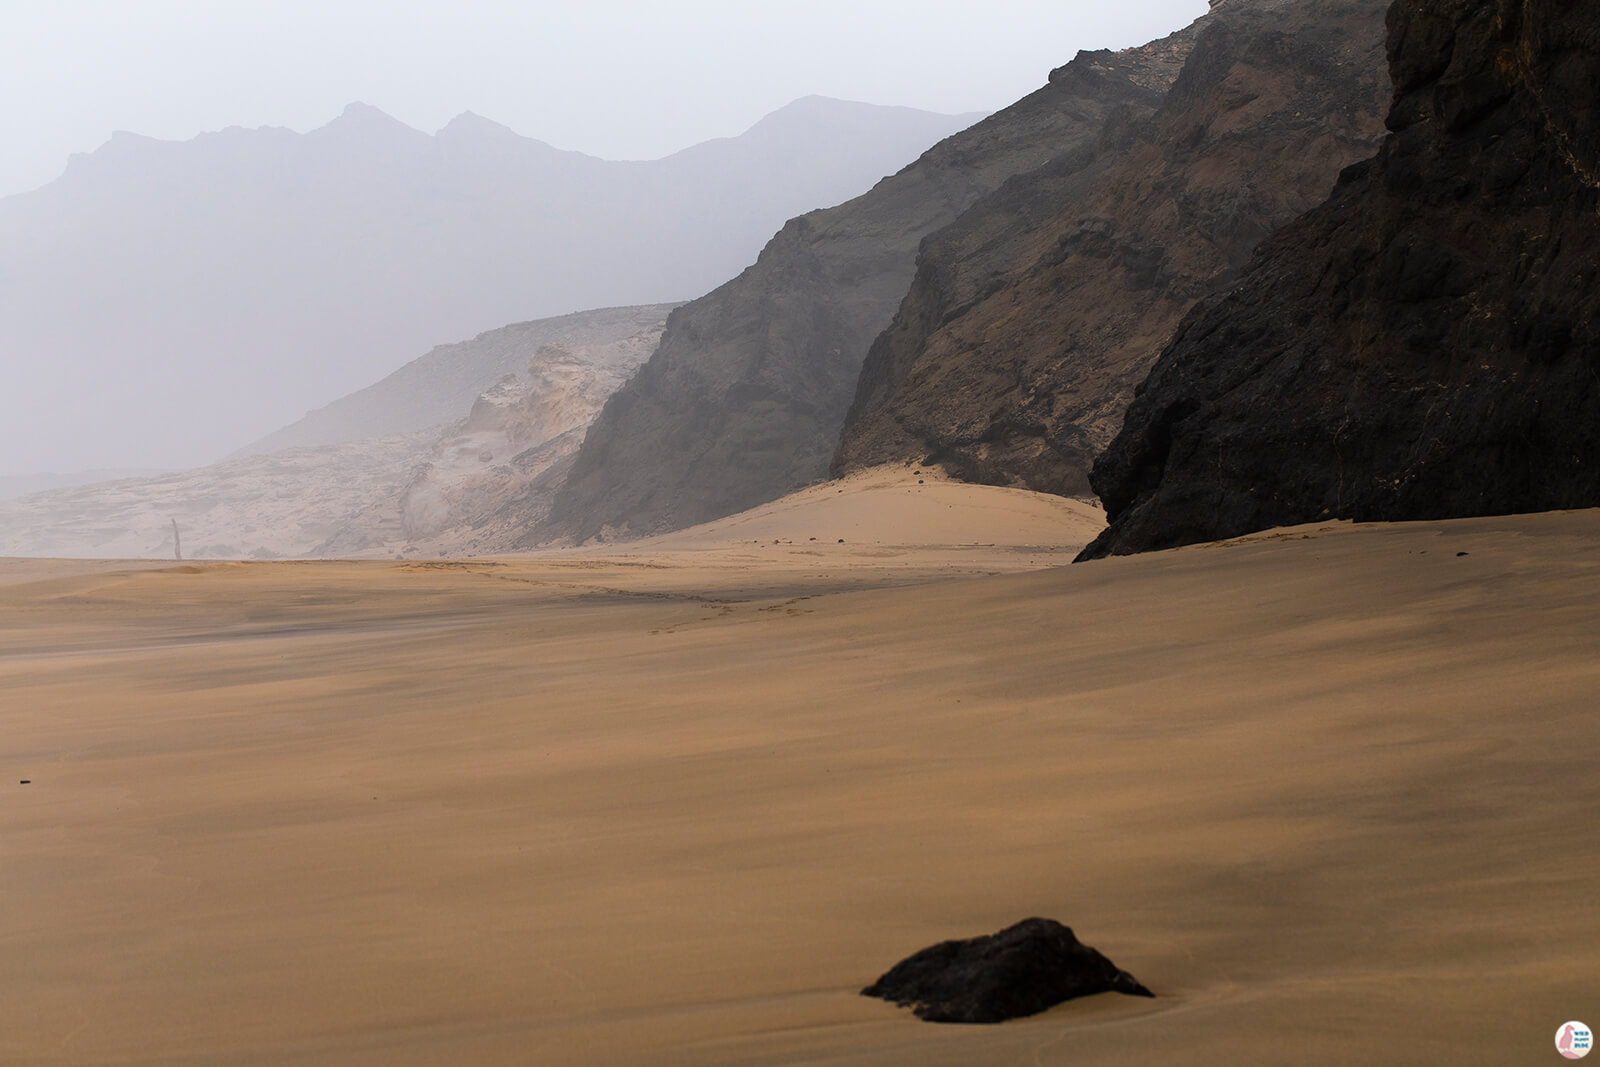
{"x":1330,"y":792}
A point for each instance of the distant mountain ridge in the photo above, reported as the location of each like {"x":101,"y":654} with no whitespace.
{"x":173,"y":300}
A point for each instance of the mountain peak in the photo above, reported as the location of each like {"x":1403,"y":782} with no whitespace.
{"x":365,"y":120}
{"x":471,"y":124}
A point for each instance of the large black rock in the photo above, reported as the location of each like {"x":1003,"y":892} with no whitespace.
{"x":1022,"y":970}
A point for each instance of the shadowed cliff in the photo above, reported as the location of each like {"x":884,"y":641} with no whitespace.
{"x":1424,"y":344}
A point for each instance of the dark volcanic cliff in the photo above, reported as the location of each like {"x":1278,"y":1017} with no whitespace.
{"x":1033,"y":316}
{"x":745,"y":397}
{"x":1424,"y":344}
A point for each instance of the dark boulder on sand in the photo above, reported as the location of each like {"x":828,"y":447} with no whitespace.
{"x":1022,"y":970}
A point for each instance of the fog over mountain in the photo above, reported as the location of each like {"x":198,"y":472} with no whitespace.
{"x":164,"y":303}
{"x":440,"y":387}
{"x":454,"y":452}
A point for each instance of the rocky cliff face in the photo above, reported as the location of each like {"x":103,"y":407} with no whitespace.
{"x":1423,"y":345}
{"x":1034,"y":315}
{"x":744,"y":400}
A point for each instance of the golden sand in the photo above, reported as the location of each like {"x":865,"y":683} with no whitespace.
{"x":1330,"y":792}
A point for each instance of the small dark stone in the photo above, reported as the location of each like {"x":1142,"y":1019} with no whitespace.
{"x":27,"y":781}
{"x":1460,"y":554}
{"x":841,"y":540}
{"x":1022,"y":970}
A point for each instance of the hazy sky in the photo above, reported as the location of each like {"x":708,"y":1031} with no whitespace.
{"x":622,"y":79}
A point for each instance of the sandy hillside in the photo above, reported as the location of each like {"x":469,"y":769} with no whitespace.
{"x":1330,"y":792}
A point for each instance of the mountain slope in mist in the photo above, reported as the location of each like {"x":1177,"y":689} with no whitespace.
{"x":462,"y":483}
{"x":441,"y":386}
{"x":743,"y":401}
{"x":164,"y":303}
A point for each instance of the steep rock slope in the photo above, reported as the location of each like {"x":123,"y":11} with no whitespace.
{"x":1424,"y":345}
{"x":744,"y":400}
{"x":434,"y":389}
{"x":277,"y":270}
{"x":1034,"y":315}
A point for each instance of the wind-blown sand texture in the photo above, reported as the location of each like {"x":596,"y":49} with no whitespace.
{"x":1330,"y":792}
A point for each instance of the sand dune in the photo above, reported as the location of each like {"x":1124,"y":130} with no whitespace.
{"x":900,"y":506}
{"x":1330,"y":792}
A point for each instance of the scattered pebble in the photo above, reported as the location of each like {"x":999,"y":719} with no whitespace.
{"x":27,"y":781}
{"x":1460,"y":554}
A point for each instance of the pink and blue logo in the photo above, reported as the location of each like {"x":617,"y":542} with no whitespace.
{"x":1574,"y":1040}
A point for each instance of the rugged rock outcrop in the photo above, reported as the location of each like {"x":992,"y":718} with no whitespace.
{"x":490,"y":476}
{"x":1423,"y":345}
{"x":1034,"y":315}
{"x":744,"y":400}
{"x":1022,"y":970}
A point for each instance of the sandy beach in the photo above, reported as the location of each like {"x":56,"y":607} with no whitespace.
{"x":1330,"y":792}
